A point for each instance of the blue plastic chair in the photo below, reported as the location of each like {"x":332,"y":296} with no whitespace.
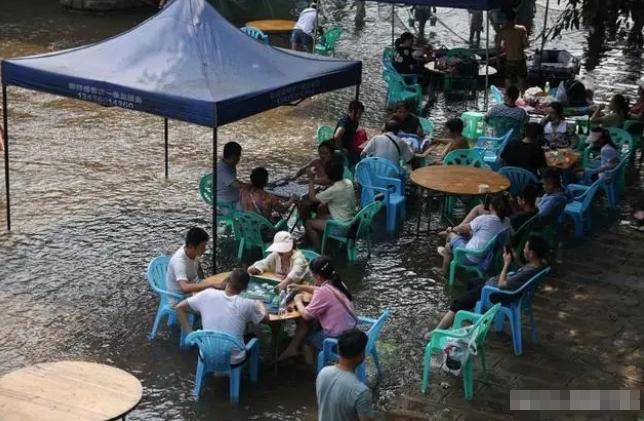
{"x":579,"y":208}
{"x":329,"y":354}
{"x":379,"y":176}
{"x":255,"y":33}
{"x":497,"y":95}
{"x":519,"y":179}
{"x":488,"y":255}
{"x":156,"y":278}
{"x":310,"y":255}
{"x":612,"y":186}
{"x":501,"y":125}
{"x":491,"y":149}
{"x":214,"y":357}
{"x":521,"y":300}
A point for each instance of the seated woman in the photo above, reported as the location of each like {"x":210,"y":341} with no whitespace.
{"x":555,"y":128}
{"x":477,"y":233}
{"x":442,"y":146}
{"x":601,"y":142}
{"x":534,"y":252}
{"x":618,"y":108}
{"x":284,"y":260}
{"x":338,"y":200}
{"x":326,"y":150}
{"x":404,"y":60}
{"x":329,"y":313}
{"x":253,"y":198}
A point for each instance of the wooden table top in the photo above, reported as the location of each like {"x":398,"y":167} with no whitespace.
{"x":221,"y":277}
{"x":272,"y":25}
{"x":458,"y":179}
{"x":68,"y":390}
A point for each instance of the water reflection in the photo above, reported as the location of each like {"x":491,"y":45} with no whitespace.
{"x":91,"y":208}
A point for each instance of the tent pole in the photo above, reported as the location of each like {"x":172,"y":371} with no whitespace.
{"x":5,"y":123}
{"x":214,"y":200}
{"x":393,"y":11}
{"x":165,"y":132}
{"x":358,"y":92}
{"x":315,"y":30}
{"x":487,"y":57}
{"x":543,"y":35}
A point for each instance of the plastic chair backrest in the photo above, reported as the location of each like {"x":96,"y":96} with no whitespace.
{"x":519,"y":178}
{"x":364,"y":218}
{"x":474,"y":124}
{"x":324,"y":133}
{"x":156,"y":273}
{"x":623,"y":140}
{"x":255,"y":33}
{"x":588,"y":196}
{"x":482,"y":325}
{"x":388,"y":57}
{"x":497,"y":95}
{"x":331,"y":36}
{"x":205,"y":188}
{"x":249,"y":226}
{"x":427,"y":126}
{"x":467,"y":157}
{"x":528,"y":290}
{"x":374,"y":331}
{"x":310,"y":255}
{"x":502,"y":125}
{"x":369,"y":173}
{"x":493,"y":248}
{"x":215,"y":348}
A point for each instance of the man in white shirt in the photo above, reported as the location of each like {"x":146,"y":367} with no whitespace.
{"x":389,"y":146}
{"x":225,"y":311}
{"x":302,"y":37}
{"x":184,"y":270}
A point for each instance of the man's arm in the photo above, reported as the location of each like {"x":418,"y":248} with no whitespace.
{"x":503,"y":277}
{"x":364,"y":406}
{"x":338,"y":135}
{"x":190,"y":287}
{"x":182,"y":315}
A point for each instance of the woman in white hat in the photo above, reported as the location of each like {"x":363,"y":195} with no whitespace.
{"x":285,"y":260}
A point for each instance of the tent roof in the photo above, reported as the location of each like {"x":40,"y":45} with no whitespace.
{"x":187,"y":63}
{"x":454,"y":4}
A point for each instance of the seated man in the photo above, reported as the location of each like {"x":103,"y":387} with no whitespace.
{"x":225,"y":311}
{"x":552,"y":204}
{"x":527,"y":204}
{"x":534,"y":252}
{"x":285,"y":260}
{"x":527,"y":152}
{"x":184,"y":270}
{"x":228,"y":185}
{"x":509,"y":109}
{"x":408,"y":122}
{"x":339,"y":202}
{"x":389,"y":146}
{"x":341,"y":395}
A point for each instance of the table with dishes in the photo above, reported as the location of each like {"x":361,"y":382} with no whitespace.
{"x":564,"y":158}
{"x":68,"y":390}
{"x":455,"y":180}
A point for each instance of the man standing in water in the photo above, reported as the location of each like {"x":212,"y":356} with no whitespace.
{"x":303,"y":31}
{"x":514,"y":41}
{"x":341,"y":395}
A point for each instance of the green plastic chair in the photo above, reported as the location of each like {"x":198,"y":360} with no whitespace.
{"x":523,"y":233}
{"x":326,"y":45}
{"x":310,"y":255}
{"x":465,"y":157}
{"x":324,"y":133}
{"x":225,"y":210}
{"x":474,"y":335}
{"x":255,"y":33}
{"x":474,"y":123}
{"x":348,"y":233}
{"x":635,"y":128}
{"x":502,"y":125}
{"x":427,"y":126}
{"x":250,"y":227}
{"x":400,"y":91}
{"x":489,"y":255}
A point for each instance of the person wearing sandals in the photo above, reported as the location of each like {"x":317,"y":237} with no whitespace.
{"x":329,"y":313}
{"x":284,"y":260}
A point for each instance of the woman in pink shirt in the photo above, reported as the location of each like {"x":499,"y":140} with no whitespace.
{"x":329,"y":313}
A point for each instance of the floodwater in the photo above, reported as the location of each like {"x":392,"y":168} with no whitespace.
{"x":91,"y":207}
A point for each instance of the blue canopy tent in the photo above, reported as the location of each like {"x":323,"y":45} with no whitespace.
{"x":185,"y":63}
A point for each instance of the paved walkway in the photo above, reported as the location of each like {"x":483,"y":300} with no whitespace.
{"x":590,"y":317}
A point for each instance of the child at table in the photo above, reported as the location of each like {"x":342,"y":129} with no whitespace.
{"x":326,"y":150}
{"x":442,"y":146}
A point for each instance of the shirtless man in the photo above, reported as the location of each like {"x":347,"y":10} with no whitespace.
{"x":514,"y":41}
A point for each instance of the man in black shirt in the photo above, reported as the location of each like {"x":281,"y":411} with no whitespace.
{"x":527,"y":153}
{"x":409,"y":123}
{"x":345,"y":132}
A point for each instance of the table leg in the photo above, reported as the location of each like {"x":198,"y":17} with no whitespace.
{"x":275,"y":341}
{"x":429,"y":213}
{"x":420,"y":211}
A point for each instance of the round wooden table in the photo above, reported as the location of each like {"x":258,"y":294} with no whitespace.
{"x":458,"y":180}
{"x":68,"y":391}
{"x":272,"y":25}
